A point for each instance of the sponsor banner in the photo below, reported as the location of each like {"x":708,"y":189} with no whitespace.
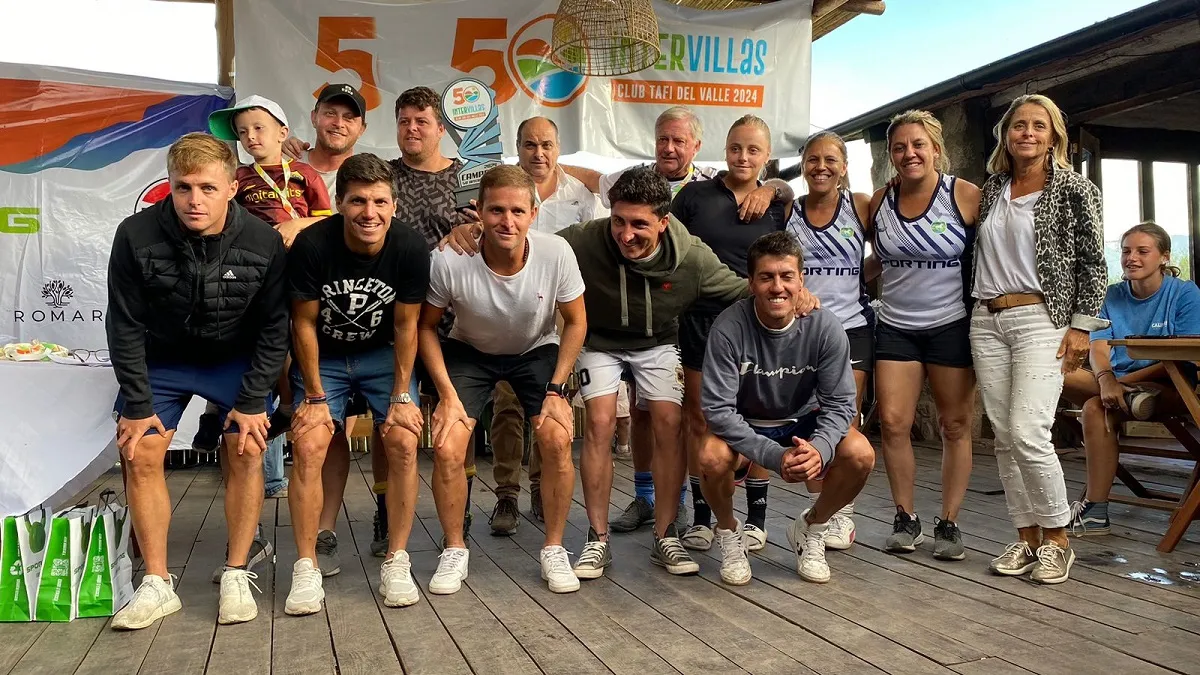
{"x":79,"y":152}
{"x":722,"y":64}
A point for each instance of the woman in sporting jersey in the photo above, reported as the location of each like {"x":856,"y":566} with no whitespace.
{"x":711,"y":211}
{"x":924,"y":227}
{"x":828,"y":221}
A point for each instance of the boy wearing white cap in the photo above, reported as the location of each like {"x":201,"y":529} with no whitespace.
{"x":288,"y":194}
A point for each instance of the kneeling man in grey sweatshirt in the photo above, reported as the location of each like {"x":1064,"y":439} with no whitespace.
{"x":778,"y":389}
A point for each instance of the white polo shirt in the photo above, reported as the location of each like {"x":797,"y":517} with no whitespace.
{"x":571,"y":203}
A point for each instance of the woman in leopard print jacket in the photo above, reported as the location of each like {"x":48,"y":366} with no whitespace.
{"x":1040,"y":278}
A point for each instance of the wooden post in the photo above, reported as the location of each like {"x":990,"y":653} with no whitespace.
{"x":225,"y":42}
{"x":1193,"y":210}
{"x":1146,"y":189}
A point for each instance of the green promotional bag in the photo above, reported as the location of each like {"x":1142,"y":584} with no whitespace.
{"x":22,"y":549}
{"x":106,"y":584}
{"x":62,"y":569}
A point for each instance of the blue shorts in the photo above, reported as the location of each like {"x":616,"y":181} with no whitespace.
{"x":173,"y":385}
{"x":370,"y":375}
{"x":802,"y":428}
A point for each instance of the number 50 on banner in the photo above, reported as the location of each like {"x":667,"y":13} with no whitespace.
{"x":331,"y":30}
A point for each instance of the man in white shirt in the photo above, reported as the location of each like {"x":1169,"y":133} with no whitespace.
{"x":504,"y":302}
{"x":562,"y":200}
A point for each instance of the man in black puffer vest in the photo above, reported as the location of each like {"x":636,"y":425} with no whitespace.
{"x":197,"y":306}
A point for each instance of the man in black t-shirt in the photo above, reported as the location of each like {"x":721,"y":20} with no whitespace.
{"x":357,"y":283}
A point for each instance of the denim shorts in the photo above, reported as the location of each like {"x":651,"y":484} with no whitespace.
{"x":801,"y":428}
{"x":369,"y":374}
{"x":173,"y":385}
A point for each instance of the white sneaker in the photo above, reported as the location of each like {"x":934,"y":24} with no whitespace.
{"x":237,"y":603}
{"x":735,"y":566}
{"x":556,"y":569}
{"x":697,"y":538}
{"x":754,"y":538}
{"x":841,"y":529}
{"x":451,"y":571}
{"x":307,"y":590}
{"x":154,"y":599}
{"x":808,"y":542}
{"x":396,"y":582}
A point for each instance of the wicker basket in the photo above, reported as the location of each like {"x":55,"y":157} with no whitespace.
{"x":605,"y":37}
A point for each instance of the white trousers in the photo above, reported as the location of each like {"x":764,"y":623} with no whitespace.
{"x":1020,"y":380}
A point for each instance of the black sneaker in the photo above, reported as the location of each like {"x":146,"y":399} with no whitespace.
{"x":327,"y":553}
{"x":906,"y":533}
{"x":261,"y":550}
{"x":668,"y":552}
{"x":379,"y":541}
{"x":505,"y":517}
{"x":947,"y":540}
{"x":208,"y":434}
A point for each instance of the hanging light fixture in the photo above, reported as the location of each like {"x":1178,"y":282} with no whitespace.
{"x":605,"y":37}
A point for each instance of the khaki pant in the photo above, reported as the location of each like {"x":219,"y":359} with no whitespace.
{"x":508,"y":444}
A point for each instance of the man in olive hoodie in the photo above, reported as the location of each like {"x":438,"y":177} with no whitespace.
{"x":641,"y":269}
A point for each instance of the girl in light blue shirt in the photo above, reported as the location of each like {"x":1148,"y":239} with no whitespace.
{"x":1151,"y":300}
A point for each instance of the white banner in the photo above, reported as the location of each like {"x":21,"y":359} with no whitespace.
{"x":79,"y":152}
{"x":721,"y":64}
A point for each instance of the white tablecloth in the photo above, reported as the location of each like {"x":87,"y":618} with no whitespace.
{"x":57,"y":433}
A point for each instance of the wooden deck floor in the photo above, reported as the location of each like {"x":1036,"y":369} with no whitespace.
{"x":1127,"y":609}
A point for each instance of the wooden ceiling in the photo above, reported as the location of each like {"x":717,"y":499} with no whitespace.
{"x":828,"y":15}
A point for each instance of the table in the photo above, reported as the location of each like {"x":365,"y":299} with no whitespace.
{"x":58,"y":432}
{"x":1172,"y":351}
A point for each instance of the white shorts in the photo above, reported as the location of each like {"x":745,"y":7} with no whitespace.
{"x":623,"y":400}
{"x":656,"y":371}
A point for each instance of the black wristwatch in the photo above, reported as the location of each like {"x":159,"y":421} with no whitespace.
{"x":556,"y":389}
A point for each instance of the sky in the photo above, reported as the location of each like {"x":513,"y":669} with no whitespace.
{"x":862,"y":65}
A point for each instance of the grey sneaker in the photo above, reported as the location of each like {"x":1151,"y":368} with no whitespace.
{"x":906,"y":533}
{"x":671,"y":554}
{"x":682,"y":519}
{"x":594,"y":557}
{"x":1016,"y":560}
{"x":379,"y":540}
{"x":1053,"y":565}
{"x":1142,"y":403}
{"x":639,"y":512}
{"x":261,"y":550}
{"x":947,"y":541}
{"x":505,"y":517}
{"x":535,"y":503}
{"x":327,"y":555}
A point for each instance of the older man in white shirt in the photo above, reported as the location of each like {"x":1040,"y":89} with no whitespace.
{"x":562,"y":201}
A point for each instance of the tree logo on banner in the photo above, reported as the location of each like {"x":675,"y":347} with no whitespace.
{"x":57,"y":293}
{"x":524,"y":65}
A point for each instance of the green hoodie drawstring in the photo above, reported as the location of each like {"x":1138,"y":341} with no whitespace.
{"x":649,"y":309}
{"x":624,"y":298}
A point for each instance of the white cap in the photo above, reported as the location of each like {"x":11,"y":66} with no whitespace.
{"x":220,"y":122}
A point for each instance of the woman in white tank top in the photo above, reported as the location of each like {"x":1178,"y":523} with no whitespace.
{"x":924,"y":241}
{"x":828,"y":222}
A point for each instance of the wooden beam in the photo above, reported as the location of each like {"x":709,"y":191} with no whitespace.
{"x":225,"y":42}
{"x":874,"y":7}
{"x":1146,"y":189}
{"x":1193,"y":210}
{"x":1158,"y":145}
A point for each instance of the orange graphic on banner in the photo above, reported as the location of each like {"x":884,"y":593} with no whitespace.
{"x":38,"y":116}
{"x":688,"y":93}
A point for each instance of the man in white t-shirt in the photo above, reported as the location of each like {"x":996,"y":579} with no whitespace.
{"x":562,"y":201}
{"x":504,"y":302}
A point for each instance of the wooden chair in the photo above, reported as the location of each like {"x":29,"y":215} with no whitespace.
{"x":1144,"y":496}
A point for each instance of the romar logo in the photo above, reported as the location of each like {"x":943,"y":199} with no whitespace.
{"x":847,"y":232}
{"x":57,"y":293}
{"x":939,"y":227}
